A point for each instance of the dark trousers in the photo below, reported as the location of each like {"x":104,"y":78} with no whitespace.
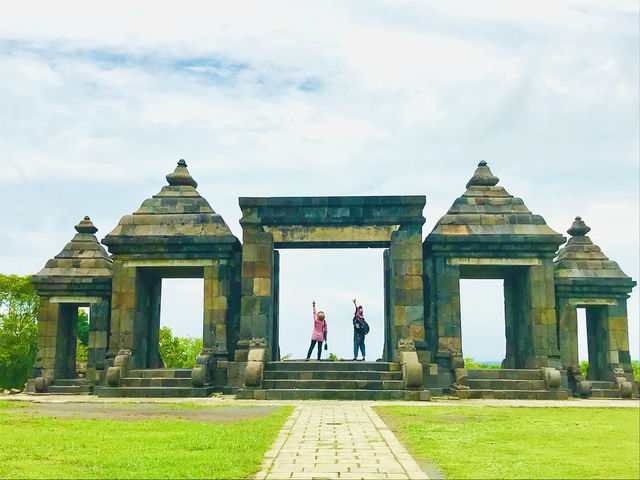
{"x":313,"y":344}
{"x":358,"y":343}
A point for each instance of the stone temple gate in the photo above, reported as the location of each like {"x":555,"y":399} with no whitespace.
{"x":392,"y":222}
{"x":487,"y":233}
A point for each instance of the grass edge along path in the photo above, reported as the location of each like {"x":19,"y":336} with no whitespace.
{"x":49,"y":447}
{"x":518,"y":442}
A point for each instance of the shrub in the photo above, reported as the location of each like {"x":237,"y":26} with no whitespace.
{"x":471,"y":363}
{"x":18,"y":330}
{"x":178,"y":352}
{"x":584,"y":366}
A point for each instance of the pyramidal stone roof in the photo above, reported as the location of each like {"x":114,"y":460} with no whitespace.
{"x":487,"y":212}
{"x":82,"y":260}
{"x":582,"y":262}
{"x":175,"y":220}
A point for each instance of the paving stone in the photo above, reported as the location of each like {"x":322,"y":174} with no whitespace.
{"x":362,"y":446}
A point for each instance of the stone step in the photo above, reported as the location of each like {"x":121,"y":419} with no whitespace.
{"x":333,"y":366}
{"x":605,"y":393}
{"x":326,"y":394}
{"x":333,"y":384}
{"x":160,"y":372}
{"x":153,"y":392}
{"x":70,"y":389}
{"x":68,"y":382}
{"x":330,"y":375}
{"x":500,"y":384}
{"x":599,"y":384}
{"x":512,"y":394}
{"x":156,"y":382}
{"x":504,"y":374}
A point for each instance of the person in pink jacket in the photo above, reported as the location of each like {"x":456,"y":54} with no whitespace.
{"x":319,"y":333}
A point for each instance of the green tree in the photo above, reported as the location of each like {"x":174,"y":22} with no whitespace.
{"x":18,"y":330}
{"x":179,"y":352}
{"x":82,"y":330}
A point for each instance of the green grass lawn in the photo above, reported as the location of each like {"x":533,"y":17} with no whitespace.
{"x":47,"y":447}
{"x":511,"y":442}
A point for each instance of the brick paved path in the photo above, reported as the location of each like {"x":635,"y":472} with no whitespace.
{"x":333,"y":442}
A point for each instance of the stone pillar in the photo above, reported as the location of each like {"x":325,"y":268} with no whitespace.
{"x":608,"y":341}
{"x":405,"y":286}
{"x":123,"y":309}
{"x":567,"y":333}
{"x":540,"y":318}
{"x":65,"y":343}
{"x":256,"y":306}
{"x":517,"y":335}
{"x":48,"y":314}
{"x":98,"y":338}
{"x":388,"y":350}
{"x":216,"y":293}
{"x":617,"y":324}
{"x":276,"y":305}
{"x":142,"y":337}
{"x":597,"y":342}
{"x":447,"y":313}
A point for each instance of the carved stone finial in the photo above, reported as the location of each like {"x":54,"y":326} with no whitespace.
{"x":406,"y":345}
{"x":181,"y":176}
{"x":578,"y":228}
{"x":483,"y":176}
{"x":257,"y":343}
{"x":86,"y":226}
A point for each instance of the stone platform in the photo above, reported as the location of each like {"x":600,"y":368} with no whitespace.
{"x":156,"y":383}
{"x":335,"y":380}
{"x":502,"y":383}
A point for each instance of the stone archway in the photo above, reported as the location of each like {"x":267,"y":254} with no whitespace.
{"x":390,"y":222}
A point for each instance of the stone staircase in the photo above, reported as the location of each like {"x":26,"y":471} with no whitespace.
{"x":334,"y":380}
{"x":508,"y":384}
{"x":156,"y":382}
{"x":71,"y":386}
{"x":604,"y":389}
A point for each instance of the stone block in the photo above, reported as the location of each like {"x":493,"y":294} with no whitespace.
{"x":256,"y":355}
{"x":399,"y":315}
{"x":618,"y":323}
{"x":241,"y":355}
{"x":415,"y":314}
{"x":250,"y":305}
{"x":416,"y":332}
{"x":248,"y":269}
{"x":262,"y":287}
{"x":249,"y":252}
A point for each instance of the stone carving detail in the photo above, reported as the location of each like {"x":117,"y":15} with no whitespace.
{"x":202,"y":373}
{"x":41,"y":384}
{"x":625,"y":386}
{"x":257,"y":343}
{"x":552,"y":377}
{"x":411,"y":366}
{"x":406,"y":345}
{"x":120,"y":368}
{"x":255,"y":363}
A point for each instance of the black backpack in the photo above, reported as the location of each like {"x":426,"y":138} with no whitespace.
{"x":365,"y":325}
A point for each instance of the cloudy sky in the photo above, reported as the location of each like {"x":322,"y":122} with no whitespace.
{"x":98,"y":102}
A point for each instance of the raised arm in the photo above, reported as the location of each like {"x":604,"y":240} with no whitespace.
{"x":315,"y":316}
{"x":355,"y":304}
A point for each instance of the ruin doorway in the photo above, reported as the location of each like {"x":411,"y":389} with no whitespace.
{"x":182,"y":312}
{"x":482,"y":320}
{"x":333,"y":278}
{"x":392,"y":223}
{"x":150,"y":282}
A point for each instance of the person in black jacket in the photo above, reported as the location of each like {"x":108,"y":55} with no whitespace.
{"x":358,"y":331}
